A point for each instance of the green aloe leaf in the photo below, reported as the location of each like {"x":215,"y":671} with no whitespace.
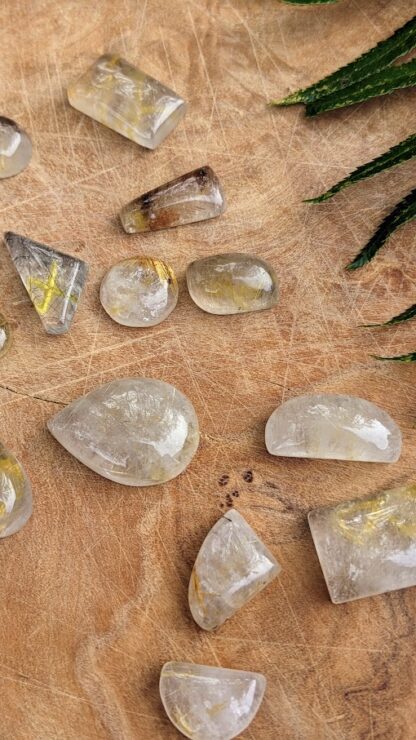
{"x":404,"y":211}
{"x":411,"y":357}
{"x":409,"y":313}
{"x":387,"y":51}
{"x":394,"y":156}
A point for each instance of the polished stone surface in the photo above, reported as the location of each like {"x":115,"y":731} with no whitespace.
{"x":135,"y":431}
{"x":333,"y":427}
{"x":195,"y":196}
{"x":15,"y":494}
{"x":140,"y":291}
{"x":117,"y":94}
{"x":232,"y":566}
{"x":5,"y":335}
{"x":15,"y":148}
{"x":367,"y":546}
{"x":54,"y":280}
{"x":232,"y":283}
{"x":210,"y":703}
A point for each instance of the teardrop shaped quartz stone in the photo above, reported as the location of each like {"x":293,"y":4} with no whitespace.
{"x":333,"y":427}
{"x":135,"y":431}
{"x":209,"y":703}
{"x":15,"y":148}
{"x":232,"y":283}
{"x":15,"y":494}
{"x":5,"y":335}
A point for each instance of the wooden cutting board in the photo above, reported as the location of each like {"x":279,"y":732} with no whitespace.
{"x":93,"y":593}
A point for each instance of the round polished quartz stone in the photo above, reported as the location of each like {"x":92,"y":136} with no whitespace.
{"x":15,"y":494}
{"x":5,"y":335}
{"x":15,"y":148}
{"x":139,"y":291}
{"x":232,"y":283}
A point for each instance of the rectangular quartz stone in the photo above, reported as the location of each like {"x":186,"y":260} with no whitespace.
{"x":367,"y":546}
{"x":117,"y":94}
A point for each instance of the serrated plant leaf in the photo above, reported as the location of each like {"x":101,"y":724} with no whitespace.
{"x":401,"y":42}
{"x":403,"y":212}
{"x":411,"y":357}
{"x":393,"y":157}
{"x":409,"y":313}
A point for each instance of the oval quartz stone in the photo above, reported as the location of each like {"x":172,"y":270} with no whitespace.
{"x":333,"y":427}
{"x":135,"y":431}
{"x":5,"y":335}
{"x":209,"y":703}
{"x":15,"y":148}
{"x":232,"y":283}
{"x":15,"y":494}
{"x":140,"y":291}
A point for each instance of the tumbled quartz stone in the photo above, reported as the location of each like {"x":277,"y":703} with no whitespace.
{"x":367,"y":546}
{"x":333,"y":427}
{"x":209,"y":703}
{"x":135,"y":431}
{"x":54,"y":280}
{"x":120,"y":96}
{"x":15,"y":148}
{"x":232,"y":566}
{"x":232,"y":283}
{"x":196,"y":196}
{"x":15,"y":494}
{"x":5,"y":335}
{"x":140,"y":291}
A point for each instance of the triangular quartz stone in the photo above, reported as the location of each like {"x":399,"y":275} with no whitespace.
{"x":54,"y":280}
{"x":232,"y":566}
{"x":207,"y":703}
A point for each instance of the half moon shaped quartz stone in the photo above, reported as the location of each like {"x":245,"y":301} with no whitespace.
{"x":15,"y":148}
{"x":232,"y":566}
{"x":232,"y":283}
{"x":208,"y":703}
{"x":196,"y":196}
{"x":15,"y":494}
{"x":333,"y":427}
{"x":5,"y":335}
{"x":135,"y":431}
{"x":117,"y":94}
{"x":140,"y":291}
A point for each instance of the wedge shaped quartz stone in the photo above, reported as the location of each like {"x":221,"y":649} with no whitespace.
{"x":54,"y":280}
{"x":120,"y":96}
{"x":135,"y":431}
{"x":5,"y":335}
{"x":232,"y":566}
{"x":208,"y":703}
{"x":367,"y":546}
{"x":139,"y":291}
{"x":232,"y":283}
{"x":333,"y":427}
{"x":15,"y":494}
{"x":196,"y":196}
{"x":15,"y":148}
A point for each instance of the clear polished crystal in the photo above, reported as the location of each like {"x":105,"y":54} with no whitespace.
{"x":117,"y":94}
{"x":15,"y":148}
{"x":232,"y":566}
{"x":140,"y":291}
{"x":209,"y":703}
{"x":367,"y":546}
{"x":54,"y":280}
{"x":196,"y":196}
{"x":232,"y":283}
{"x":5,"y":335}
{"x":15,"y":494}
{"x":135,"y":431}
{"x":333,"y":427}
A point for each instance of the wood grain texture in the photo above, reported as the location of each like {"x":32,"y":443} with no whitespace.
{"x":93,"y":595}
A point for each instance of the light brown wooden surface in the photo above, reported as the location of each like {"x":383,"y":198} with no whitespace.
{"x":93,"y":594}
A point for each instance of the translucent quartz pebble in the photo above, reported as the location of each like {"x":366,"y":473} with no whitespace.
{"x":15,"y":494}
{"x":367,"y":546}
{"x":140,"y":291}
{"x":54,"y":280}
{"x":5,"y":335}
{"x":333,"y":427}
{"x":207,"y":703}
{"x":15,"y":148}
{"x":232,"y":283}
{"x":120,"y":96}
{"x":232,"y":566}
{"x":135,"y":431}
{"x":195,"y":196}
